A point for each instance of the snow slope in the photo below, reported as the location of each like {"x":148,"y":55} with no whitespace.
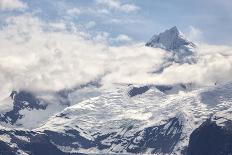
{"x":108,"y":120}
{"x":114,"y":112}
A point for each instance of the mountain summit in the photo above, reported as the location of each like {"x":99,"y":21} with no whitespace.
{"x":172,"y":40}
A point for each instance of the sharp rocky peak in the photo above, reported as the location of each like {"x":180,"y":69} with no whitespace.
{"x":173,"y":40}
{"x":170,"y":39}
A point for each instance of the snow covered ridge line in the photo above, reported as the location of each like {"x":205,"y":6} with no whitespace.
{"x":71,"y":129}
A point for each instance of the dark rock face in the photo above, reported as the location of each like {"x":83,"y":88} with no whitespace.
{"x":159,"y":139}
{"x":69,"y":138}
{"x":164,"y":88}
{"x":21,"y":100}
{"x":138,"y":90}
{"x":5,"y":149}
{"x":162,"y":139}
{"x":63,"y":95}
{"x":175,"y":88}
{"x":211,"y":139}
{"x":24,"y":96}
{"x":36,"y":143}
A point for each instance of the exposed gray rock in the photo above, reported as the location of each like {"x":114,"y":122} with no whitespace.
{"x":172,"y":40}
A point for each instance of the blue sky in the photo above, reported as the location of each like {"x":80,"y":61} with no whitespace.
{"x":206,"y":20}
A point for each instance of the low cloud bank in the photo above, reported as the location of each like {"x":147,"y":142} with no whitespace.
{"x":40,"y":57}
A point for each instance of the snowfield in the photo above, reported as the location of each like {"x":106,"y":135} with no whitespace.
{"x":114,"y":113}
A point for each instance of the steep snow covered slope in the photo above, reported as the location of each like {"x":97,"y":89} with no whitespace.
{"x":151,"y":122}
{"x":114,"y":112}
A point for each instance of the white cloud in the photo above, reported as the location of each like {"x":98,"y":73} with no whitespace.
{"x":115,"y":21}
{"x":105,"y":38}
{"x":129,"y":7}
{"x":58,"y":26}
{"x":74,"y":12}
{"x":102,"y":11}
{"x":110,"y":3}
{"x":90,"y":24}
{"x":118,"y":5}
{"x":122,"y":38}
{"x":194,"y":34}
{"x":122,"y":21}
{"x":35,"y":57}
{"x":101,"y":37}
{"x":12,"y":5}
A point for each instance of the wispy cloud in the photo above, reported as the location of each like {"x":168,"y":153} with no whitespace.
{"x":194,"y":34}
{"x":90,"y":24}
{"x":12,"y":5}
{"x":122,"y":38}
{"x":118,"y":5}
{"x":74,"y":12}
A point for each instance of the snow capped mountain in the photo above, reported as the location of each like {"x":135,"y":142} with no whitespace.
{"x":111,"y":121}
{"x":172,"y":40}
{"x":124,"y":118}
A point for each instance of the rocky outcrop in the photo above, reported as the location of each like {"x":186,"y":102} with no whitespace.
{"x":211,"y":139}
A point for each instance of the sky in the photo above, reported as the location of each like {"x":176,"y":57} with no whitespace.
{"x":47,"y":46}
{"x":122,"y":21}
